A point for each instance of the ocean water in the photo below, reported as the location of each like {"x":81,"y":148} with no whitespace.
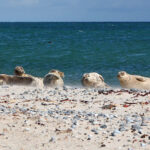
{"x":76,"y":48}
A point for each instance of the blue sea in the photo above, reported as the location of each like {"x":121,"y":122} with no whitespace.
{"x":76,"y":48}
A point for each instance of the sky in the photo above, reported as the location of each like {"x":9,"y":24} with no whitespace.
{"x":74,"y":10}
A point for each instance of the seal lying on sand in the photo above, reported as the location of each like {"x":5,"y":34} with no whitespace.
{"x":94,"y":80}
{"x":19,"y":71}
{"x":16,"y":80}
{"x":133,"y":81}
{"x":54,"y":79}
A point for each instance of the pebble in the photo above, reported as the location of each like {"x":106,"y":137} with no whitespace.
{"x":95,"y":131}
{"x":52,"y":139}
{"x":91,"y":121}
{"x":143,"y":144}
{"x":115,"y":132}
{"x":27,"y":129}
{"x":73,"y":126}
{"x":122,"y":129}
{"x":136,"y":127}
{"x":95,"y":123}
{"x":129,"y":120}
{"x":103,"y":126}
{"x":130,"y":149}
{"x":89,"y":137}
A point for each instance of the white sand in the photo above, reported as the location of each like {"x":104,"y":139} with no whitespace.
{"x":73,"y":119}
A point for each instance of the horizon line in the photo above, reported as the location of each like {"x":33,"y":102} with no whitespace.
{"x":71,"y":21}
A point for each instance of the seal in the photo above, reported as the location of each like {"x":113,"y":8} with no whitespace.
{"x":16,"y":80}
{"x":133,"y":81}
{"x":19,"y":71}
{"x":94,"y":80}
{"x":54,"y":79}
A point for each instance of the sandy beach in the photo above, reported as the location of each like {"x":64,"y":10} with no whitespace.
{"x":72,"y":118}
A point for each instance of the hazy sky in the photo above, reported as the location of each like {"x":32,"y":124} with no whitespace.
{"x":74,"y":10}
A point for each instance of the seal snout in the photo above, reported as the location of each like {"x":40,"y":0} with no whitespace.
{"x":118,"y":76}
{"x":86,"y":79}
{"x":121,"y":74}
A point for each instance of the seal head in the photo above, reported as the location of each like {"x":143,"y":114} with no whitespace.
{"x":93,"y":79}
{"x":19,"y":71}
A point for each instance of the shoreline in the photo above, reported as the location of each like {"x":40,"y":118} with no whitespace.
{"x":74,"y":118}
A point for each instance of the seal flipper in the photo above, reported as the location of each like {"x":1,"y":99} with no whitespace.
{"x":139,"y":78}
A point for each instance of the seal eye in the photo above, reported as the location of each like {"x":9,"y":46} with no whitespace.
{"x":122,"y":73}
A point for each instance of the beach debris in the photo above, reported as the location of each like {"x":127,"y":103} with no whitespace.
{"x":134,"y":92}
{"x":110,"y":106}
{"x":58,"y":131}
{"x":144,"y":103}
{"x":144,"y":135}
{"x":65,"y":100}
{"x":125,"y":105}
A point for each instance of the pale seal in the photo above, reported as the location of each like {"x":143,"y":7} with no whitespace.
{"x":133,"y":81}
{"x":94,"y":80}
{"x":54,"y":79}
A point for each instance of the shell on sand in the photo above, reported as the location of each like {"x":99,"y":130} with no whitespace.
{"x":93,"y":79}
{"x":133,"y":81}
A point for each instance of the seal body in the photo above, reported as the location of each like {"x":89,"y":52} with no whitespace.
{"x":16,"y":80}
{"x":94,"y":80}
{"x":133,"y":81}
{"x":54,"y":79}
{"x":19,"y":71}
